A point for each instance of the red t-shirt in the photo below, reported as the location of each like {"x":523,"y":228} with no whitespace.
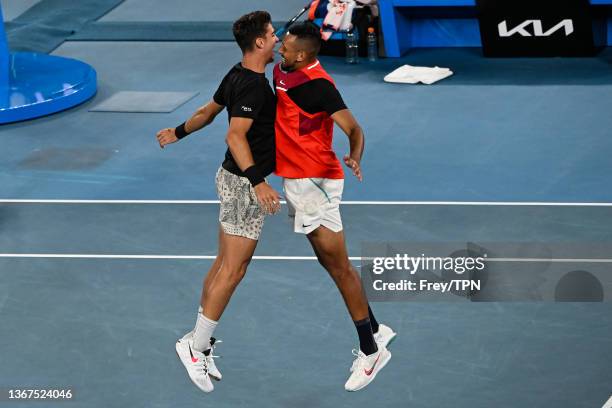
{"x":303,"y":140}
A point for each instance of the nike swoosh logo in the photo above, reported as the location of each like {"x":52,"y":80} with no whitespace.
{"x":193,"y":359}
{"x":306,"y":226}
{"x":282,"y":82}
{"x":371,"y":370}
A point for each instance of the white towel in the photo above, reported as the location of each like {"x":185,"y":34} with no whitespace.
{"x":407,"y":74}
{"x":339,"y":15}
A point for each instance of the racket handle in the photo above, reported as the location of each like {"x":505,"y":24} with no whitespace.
{"x":282,"y":30}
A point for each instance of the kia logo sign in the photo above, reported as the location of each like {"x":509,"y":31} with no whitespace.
{"x":536,"y":28}
{"x":542,"y":28}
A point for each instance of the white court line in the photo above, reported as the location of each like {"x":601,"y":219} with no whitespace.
{"x":115,"y":256}
{"x":608,"y":404}
{"x":559,"y":260}
{"x":463,"y":203}
{"x":276,"y":258}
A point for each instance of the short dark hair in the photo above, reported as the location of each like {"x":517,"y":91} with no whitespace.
{"x":309,"y":34}
{"x":250,"y":27}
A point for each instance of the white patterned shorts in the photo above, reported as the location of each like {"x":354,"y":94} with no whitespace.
{"x":240,"y":213}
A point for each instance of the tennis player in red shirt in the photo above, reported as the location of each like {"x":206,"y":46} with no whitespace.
{"x":308,"y":104}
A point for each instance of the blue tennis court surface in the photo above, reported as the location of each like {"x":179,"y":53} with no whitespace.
{"x":93,"y":295}
{"x":107,"y":323}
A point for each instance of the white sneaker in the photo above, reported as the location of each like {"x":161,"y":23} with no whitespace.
{"x":366,"y":368}
{"x":213,"y":371}
{"x":383,"y":337}
{"x":195,"y":362}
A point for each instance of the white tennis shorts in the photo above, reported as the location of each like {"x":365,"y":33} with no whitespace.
{"x":314,"y":202}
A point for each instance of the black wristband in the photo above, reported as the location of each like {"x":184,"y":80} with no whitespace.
{"x":253,"y":175}
{"x":180,"y":131}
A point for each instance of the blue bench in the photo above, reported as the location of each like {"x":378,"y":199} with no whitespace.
{"x":436,"y":23}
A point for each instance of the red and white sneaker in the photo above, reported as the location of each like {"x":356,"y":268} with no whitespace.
{"x":365,"y":368}
{"x":213,"y":371}
{"x":196,"y":364}
{"x":383,"y":337}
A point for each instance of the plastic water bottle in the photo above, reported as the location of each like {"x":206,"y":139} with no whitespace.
{"x":372,"y":45}
{"x":352,"y":48}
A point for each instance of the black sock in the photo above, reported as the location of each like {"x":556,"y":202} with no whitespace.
{"x":373,"y":321}
{"x":366,"y":338}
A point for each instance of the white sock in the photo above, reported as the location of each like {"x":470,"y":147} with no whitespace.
{"x":200,"y":310}
{"x":203,"y":332}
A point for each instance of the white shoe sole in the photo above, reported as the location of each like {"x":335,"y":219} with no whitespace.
{"x":178,"y":353}
{"x":381,"y":365}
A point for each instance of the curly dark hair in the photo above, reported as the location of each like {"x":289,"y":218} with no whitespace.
{"x":250,"y":27}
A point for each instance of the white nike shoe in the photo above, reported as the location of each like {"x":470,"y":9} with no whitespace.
{"x":196,"y":364}
{"x":383,"y":337}
{"x":213,"y":371}
{"x":366,"y":368}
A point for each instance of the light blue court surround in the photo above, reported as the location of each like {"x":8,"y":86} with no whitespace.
{"x":141,"y":102}
{"x":14,"y":8}
{"x":34,"y":85}
{"x":497,"y":130}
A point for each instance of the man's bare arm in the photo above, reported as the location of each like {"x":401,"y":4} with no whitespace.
{"x":345,"y":120}
{"x":236,"y":140}
{"x":204,"y":116}
{"x":241,"y":152}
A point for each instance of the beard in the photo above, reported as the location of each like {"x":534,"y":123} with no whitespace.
{"x":287,"y":67}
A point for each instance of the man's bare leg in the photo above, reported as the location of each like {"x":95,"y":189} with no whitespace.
{"x":236,"y":255}
{"x":227,"y":271}
{"x":330,"y":249}
{"x":214,"y":268}
{"x":331,"y":252}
